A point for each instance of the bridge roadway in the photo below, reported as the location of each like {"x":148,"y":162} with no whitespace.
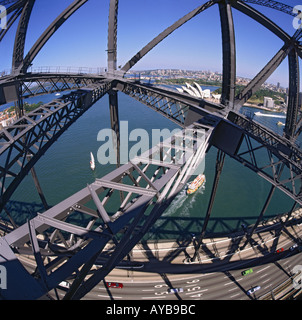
{"x":217,"y":273}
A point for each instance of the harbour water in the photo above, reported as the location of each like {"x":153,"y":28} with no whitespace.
{"x":64,"y":169}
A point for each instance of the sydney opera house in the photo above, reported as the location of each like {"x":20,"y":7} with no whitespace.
{"x":196,"y":91}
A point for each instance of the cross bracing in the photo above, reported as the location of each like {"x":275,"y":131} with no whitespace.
{"x":24,"y":142}
{"x":144,"y":187}
{"x":148,"y":183}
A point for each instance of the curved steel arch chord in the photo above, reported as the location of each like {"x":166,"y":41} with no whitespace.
{"x":18,"y":53}
{"x":10,"y":22}
{"x":24,"y":142}
{"x":52,"y":28}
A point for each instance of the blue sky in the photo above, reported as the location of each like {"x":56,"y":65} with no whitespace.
{"x":82,"y":40}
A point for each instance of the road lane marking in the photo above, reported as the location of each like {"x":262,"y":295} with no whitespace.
{"x":196,"y":292}
{"x":233,"y":289}
{"x":263,"y":269}
{"x":266,"y":280}
{"x":99,"y":295}
{"x":148,"y":289}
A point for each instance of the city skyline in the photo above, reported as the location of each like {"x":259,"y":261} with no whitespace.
{"x":82,"y":40}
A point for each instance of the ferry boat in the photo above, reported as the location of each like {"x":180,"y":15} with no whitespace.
{"x":196,"y":183}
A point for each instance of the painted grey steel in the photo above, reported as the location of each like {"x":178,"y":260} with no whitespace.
{"x":53,"y":27}
{"x":18,"y":54}
{"x":293,"y":95}
{"x":85,"y":244}
{"x":35,"y":84}
{"x":73,"y":249}
{"x":112,"y":37}
{"x":24,"y":142}
{"x":229,"y":55}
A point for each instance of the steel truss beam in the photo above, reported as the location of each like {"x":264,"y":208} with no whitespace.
{"x":19,"y":45}
{"x":293,"y":95}
{"x":170,"y":104}
{"x":219,"y":166}
{"x":229,"y":55}
{"x":16,"y":13}
{"x":112,"y":37}
{"x":282,"y":167}
{"x":24,"y":142}
{"x":273,"y":5}
{"x":44,"y":83}
{"x":291,"y":48}
{"x":115,"y":124}
{"x":149,"y":183}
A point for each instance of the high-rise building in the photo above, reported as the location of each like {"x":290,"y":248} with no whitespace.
{"x":268,"y":103}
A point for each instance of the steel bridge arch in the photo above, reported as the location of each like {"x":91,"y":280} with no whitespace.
{"x":52,"y":115}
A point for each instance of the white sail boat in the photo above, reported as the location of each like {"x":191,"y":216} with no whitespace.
{"x":92,"y":162}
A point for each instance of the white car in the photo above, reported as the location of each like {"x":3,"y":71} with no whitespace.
{"x":292,"y":248}
{"x":253,"y":290}
{"x":175,"y":290}
{"x":65,"y":284}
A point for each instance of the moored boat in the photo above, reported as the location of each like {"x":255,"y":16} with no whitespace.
{"x":92,"y":162}
{"x":196,"y":183}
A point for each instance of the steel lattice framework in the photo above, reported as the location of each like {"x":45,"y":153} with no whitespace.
{"x":143,"y":188}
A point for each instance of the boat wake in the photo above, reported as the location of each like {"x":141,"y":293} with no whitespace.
{"x":268,"y":115}
{"x":183,"y":202}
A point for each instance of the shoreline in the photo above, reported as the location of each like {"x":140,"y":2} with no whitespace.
{"x":251,"y":105}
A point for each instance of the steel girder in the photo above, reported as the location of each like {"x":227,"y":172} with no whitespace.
{"x":35,"y":84}
{"x":282,"y":167}
{"x":273,"y":5}
{"x":291,"y":49}
{"x":112,"y":37}
{"x":293,"y":95}
{"x":16,"y":10}
{"x":229,"y":55}
{"x":84,"y":246}
{"x":62,"y":250}
{"x":18,"y":53}
{"x":24,"y":142}
{"x":170,"y":104}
